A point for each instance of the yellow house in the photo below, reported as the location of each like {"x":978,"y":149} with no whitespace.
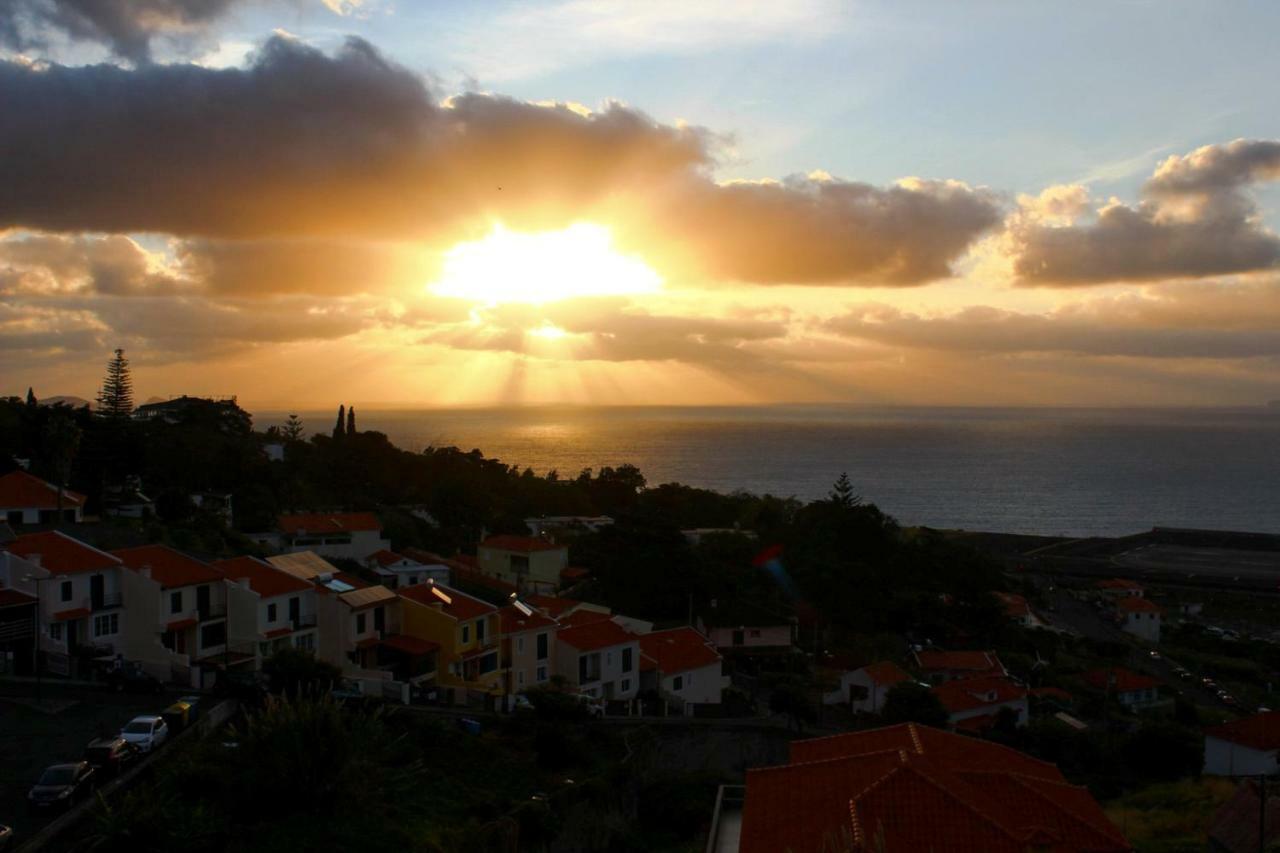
{"x":466,"y":630}
{"x":531,"y":563}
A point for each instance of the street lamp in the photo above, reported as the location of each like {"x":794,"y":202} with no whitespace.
{"x":35,"y":651}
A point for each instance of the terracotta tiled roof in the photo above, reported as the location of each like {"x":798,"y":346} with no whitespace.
{"x":15,"y":597}
{"x":1015,"y":606}
{"x":463,"y":575}
{"x":328,"y":522}
{"x":678,"y":650}
{"x":1125,"y":680}
{"x":61,"y":554}
{"x":20,"y":490}
{"x":512,"y":621}
{"x":74,"y":613}
{"x":520,"y":544}
{"x":385,"y":558}
{"x":886,"y":673}
{"x":552,"y":605}
{"x":1261,"y":731}
{"x":180,"y":624}
{"x":574,"y":573}
{"x":968,"y":694}
{"x":596,"y":635}
{"x":170,"y":567}
{"x":462,"y":607}
{"x":264,"y":579}
{"x":1133,"y":604}
{"x":967,"y":661}
{"x":909,"y":788}
{"x":410,"y":645}
{"x":582,"y":616}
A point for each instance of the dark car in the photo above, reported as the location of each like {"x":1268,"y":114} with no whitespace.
{"x":111,"y":755}
{"x":132,"y":678}
{"x":61,"y":785}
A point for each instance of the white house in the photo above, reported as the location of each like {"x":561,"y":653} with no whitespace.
{"x":354,"y":535}
{"x":1131,"y":689}
{"x":600,"y":658}
{"x":26,"y":499}
{"x":396,"y":570}
{"x":531,"y":563}
{"x":684,"y":666}
{"x":283,"y":606}
{"x":1246,"y":747}
{"x":938,"y":666}
{"x":865,"y":689}
{"x":973,"y":704}
{"x":747,"y":628}
{"x":1140,"y":617}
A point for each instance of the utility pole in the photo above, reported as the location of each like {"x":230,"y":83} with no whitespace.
{"x":1262,"y":813}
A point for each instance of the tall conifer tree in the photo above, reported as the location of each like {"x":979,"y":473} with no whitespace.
{"x":339,"y":429}
{"x":351,"y":421}
{"x":115,"y":400}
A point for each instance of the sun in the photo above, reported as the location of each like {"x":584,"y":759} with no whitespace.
{"x":546,"y":266}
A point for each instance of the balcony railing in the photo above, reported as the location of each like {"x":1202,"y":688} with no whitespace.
{"x":212,"y":610}
{"x":107,"y":601}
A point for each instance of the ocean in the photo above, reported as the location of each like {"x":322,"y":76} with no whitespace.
{"x":1077,"y":472}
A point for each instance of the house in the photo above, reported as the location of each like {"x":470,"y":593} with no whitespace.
{"x":353,"y":535}
{"x":1120,"y":588}
{"x":467,"y":633}
{"x":81,"y":593}
{"x":975,"y":704}
{"x":177,"y":623}
{"x":909,"y":788}
{"x":558,"y":607}
{"x":397,"y":570}
{"x":17,"y":631}
{"x":600,"y":658}
{"x":284,"y":605}
{"x":1237,"y":823}
{"x":1140,"y":617}
{"x":531,"y":563}
{"x":865,"y":689}
{"x":682,"y":665}
{"x":215,"y":504}
{"x":1131,"y":689}
{"x":26,"y":499}
{"x":552,"y":524}
{"x":937,"y":666}
{"x":528,"y":646}
{"x":1017,"y":609}
{"x":223,"y":411}
{"x":1246,"y":747}
{"x":747,"y":628}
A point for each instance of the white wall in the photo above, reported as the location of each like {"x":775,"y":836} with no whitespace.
{"x":777,"y":635}
{"x":1224,"y":758}
{"x":700,"y":686}
{"x":1144,"y":625}
{"x":566,"y":662}
{"x":362,"y":544}
{"x":1018,"y":705}
{"x":876,"y":693}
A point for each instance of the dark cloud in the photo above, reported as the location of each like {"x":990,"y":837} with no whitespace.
{"x":125,"y":27}
{"x":353,"y":147}
{"x":1194,"y":220}
{"x":317,"y":267}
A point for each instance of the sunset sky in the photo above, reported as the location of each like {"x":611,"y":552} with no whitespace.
{"x":403,"y":203}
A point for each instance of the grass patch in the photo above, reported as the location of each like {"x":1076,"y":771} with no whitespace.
{"x":1172,"y":817}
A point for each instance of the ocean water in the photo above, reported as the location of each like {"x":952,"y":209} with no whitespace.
{"x":1076,"y":472}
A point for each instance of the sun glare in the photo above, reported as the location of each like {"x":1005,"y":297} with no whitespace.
{"x":511,"y":266}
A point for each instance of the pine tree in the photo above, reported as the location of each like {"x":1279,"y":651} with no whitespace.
{"x":292,"y":430}
{"x":116,"y":398}
{"x":351,"y":421}
{"x":31,"y":398}
{"x":842,"y":493}
{"x":339,"y":429}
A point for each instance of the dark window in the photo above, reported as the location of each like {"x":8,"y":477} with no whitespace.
{"x":15,"y":518}
{"x":738,"y":638}
{"x":626,"y":661}
{"x":271,"y":613}
{"x":175,"y":602}
{"x":213,"y":634}
{"x":295,"y":609}
{"x":677,"y":683}
{"x":480,"y":630}
{"x":360,"y":623}
{"x":582,"y":669}
{"x":66,"y":590}
{"x":542,"y":647}
{"x":488,"y":663}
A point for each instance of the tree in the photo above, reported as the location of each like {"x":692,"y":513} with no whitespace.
{"x":339,"y":429}
{"x":292,"y":429}
{"x":31,"y":398}
{"x":294,"y":673}
{"x":842,"y":493}
{"x":351,"y":421}
{"x":914,"y":703}
{"x":115,"y":400}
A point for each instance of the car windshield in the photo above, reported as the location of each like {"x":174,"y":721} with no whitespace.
{"x":138,"y":727}
{"x":58,"y":776}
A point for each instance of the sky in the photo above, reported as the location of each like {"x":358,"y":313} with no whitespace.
{"x":436,"y":204}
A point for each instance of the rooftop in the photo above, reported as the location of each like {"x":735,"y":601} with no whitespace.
{"x":307,"y":565}
{"x":169,"y":566}
{"x":972,"y":661}
{"x":1133,"y":604}
{"x":264,"y":579}
{"x":460,"y":606}
{"x":886,"y":673}
{"x":512,"y":621}
{"x":384,"y":557}
{"x":1261,"y":731}
{"x":369,"y":596}
{"x":967,"y":694}
{"x":678,"y":650}
{"x":1125,"y":680}
{"x":596,"y":635}
{"x":328,"y":522}
{"x":60,"y":553}
{"x":20,"y":490}
{"x":521,"y":544}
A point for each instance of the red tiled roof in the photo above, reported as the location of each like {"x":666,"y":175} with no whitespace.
{"x":463,"y":607}
{"x":1133,"y":604}
{"x":170,"y":567}
{"x":264,"y":579}
{"x":976,"y":662}
{"x":74,"y":613}
{"x":512,"y":621}
{"x":886,"y":673}
{"x":678,"y":650}
{"x":1235,"y":825}
{"x":180,"y":624}
{"x":15,"y":597}
{"x":975,"y":725}
{"x":410,"y":645}
{"x":596,"y":635}
{"x":1125,"y":680}
{"x":553,"y":605}
{"x":20,"y":490}
{"x":328,"y":522}
{"x":520,"y":544}
{"x":1261,"y":731}
{"x":61,"y":554}
{"x":967,"y":694}
{"x":573,"y":573}
{"x":910,"y":788}
{"x":1015,"y":606}
{"x":385,"y":558}
{"x":582,"y":616}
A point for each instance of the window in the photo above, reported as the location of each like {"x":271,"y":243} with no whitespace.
{"x":626,"y":660}
{"x":625,"y":685}
{"x":466,"y":634}
{"x":542,"y":646}
{"x":677,"y":683}
{"x":688,"y":679}
{"x":519,"y":645}
{"x":106,"y":624}
{"x":608,"y":658}
{"x":360,"y":623}
{"x":175,"y":602}
{"x":488,"y":663}
{"x":541,"y":674}
{"x":295,"y":610}
{"x":213,"y":634}
{"x":66,"y":590}
{"x":379,"y":619}
{"x":271,"y":613}
{"x":480,"y":630}
{"x":55,"y":631}
{"x":520,"y":678}
{"x":305,"y":642}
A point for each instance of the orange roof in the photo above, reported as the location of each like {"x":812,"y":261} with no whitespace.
{"x":1133,"y":604}
{"x":462,"y":574}
{"x":264,"y":579}
{"x":975,"y":662}
{"x":678,"y":650}
{"x":596,"y":635}
{"x":15,"y":597}
{"x":573,"y":573}
{"x":1261,"y":731}
{"x":170,"y":567}
{"x":1125,"y":680}
{"x":1015,"y":606}
{"x":328,"y":522}
{"x":520,"y":544}
{"x":180,"y":624}
{"x":20,"y":490}
{"x":74,"y":613}
{"x":410,"y":645}
{"x":462,"y":607}
{"x":909,"y":788}
{"x":512,"y":621}
{"x":582,"y":616}
{"x":552,"y":605}
{"x":384,"y":557}
{"x":886,"y":673}
{"x":61,"y":554}
{"x":967,"y":694}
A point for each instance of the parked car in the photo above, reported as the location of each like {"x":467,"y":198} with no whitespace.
{"x":146,"y":733}
{"x":61,"y":785}
{"x":110,"y":755}
{"x":132,"y":678}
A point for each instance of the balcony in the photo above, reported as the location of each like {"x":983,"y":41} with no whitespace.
{"x":107,"y":601}
{"x":213,"y":610}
